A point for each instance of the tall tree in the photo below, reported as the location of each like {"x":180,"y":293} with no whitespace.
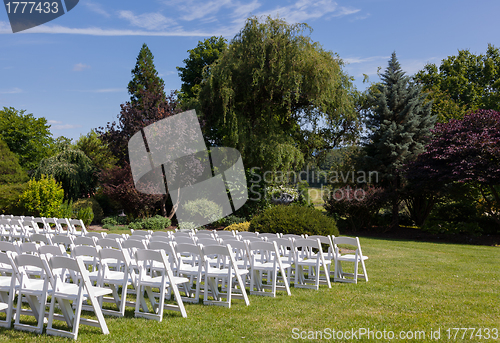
{"x":200,"y":58}
{"x":145,"y":77}
{"x":26,"y":136}
{"x":400,"y":122}
{"x":463,"y":83}
{"x":148,"y":104}
{"x":270,"y":90}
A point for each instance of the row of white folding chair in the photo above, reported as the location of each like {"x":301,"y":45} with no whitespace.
{"x":289,"y":251}
{"x":249,"y":261}
{"x":55,"y":270}
{"x":337,"y":257}
{"x":58,"y":226}
{"x":216,"y":266}
{"x":119,"y":271}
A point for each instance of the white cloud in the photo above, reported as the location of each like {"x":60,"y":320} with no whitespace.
{"x":58,"y":125}
{"x":149,"y":21}
{"x":64,"y":127}
{"x":97,"y":8}
{"x":303,"y":10}
{"x":96,"y":31}
{"x":14,"y":90}
{"x":354,"y":60}
{"x":197,"y":10}
{"x":80,"y":67}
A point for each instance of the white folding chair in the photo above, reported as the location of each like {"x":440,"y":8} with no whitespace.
{"x":265,"y":260}
{"x":96,"y":234}
{"x":109,"y":243}
{"x":167,"y":234}
{"x":11,"y":230}
{"x":190,"y":264}
{"x":225,"y":270}
{"x":67,"y":241}
{"x":225,"y":234}
{"x":64,"y":226}
{"x":305,"y":260}
{"x":28,"y":227}
{"x":145,"y":239}
{"x":145,"y":233}
{"x":40,"y":238}
{"x":69,"y":293}
{"x":90,"y":257}
{"x":8,"y":285}
{"x":115,"y":279}
{"x":287,"y":255}
{"x":77,"y":227}
{"x":292,"y":235}
{"x":184,"y":240}
{"x":87,"y":240}
{"x":247,"y":234}
{"x":52,"y":226}
{"x":6,"y":268}
{"x":328,"y":252}
{"x":34,"y":289}
{"x":146,"y":282}
{"x":205,"y":234}
{"x":121,"y":237}
{"x":5,"y":229}
{"x":269,"y":235}
{"x":355,"y":258}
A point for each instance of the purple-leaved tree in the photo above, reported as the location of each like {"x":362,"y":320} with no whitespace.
{"x":468,"y":151}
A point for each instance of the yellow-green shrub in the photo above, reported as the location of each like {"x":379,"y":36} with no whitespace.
{"x":240,"y":227}
{"x":42,"y":198}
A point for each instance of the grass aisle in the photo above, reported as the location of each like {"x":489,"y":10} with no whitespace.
{"x":413,"y":286}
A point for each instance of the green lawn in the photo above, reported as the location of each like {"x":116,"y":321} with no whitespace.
{"x":413,"y":286}
{"x":316,"y":197}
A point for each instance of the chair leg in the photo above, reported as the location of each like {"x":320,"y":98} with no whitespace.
{"x":364,"y":270}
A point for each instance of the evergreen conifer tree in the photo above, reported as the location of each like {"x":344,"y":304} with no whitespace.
{"x":400,"y":122}
{"x":145,"y":78}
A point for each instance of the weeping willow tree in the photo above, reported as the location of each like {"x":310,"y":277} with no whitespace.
{"x":276,"y":96}
{"x":73,"y":169}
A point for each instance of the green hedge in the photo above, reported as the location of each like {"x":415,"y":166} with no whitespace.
{"x":295,"y":220}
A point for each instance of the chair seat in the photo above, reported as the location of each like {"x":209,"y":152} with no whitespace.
{"x":215,"y":272}
{"x":350,"y":257}
{"x":5,"y":282}
{"x":311,"y":262}
{"x":115,"y":276}
{"x":156,"y":281}
{"x":188,"y":269}
{"x":70,"y":292}
{"x":269,"y":265}
{"x":36,"y":287}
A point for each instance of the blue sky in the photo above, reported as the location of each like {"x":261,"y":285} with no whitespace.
{"x":75,"y":69}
